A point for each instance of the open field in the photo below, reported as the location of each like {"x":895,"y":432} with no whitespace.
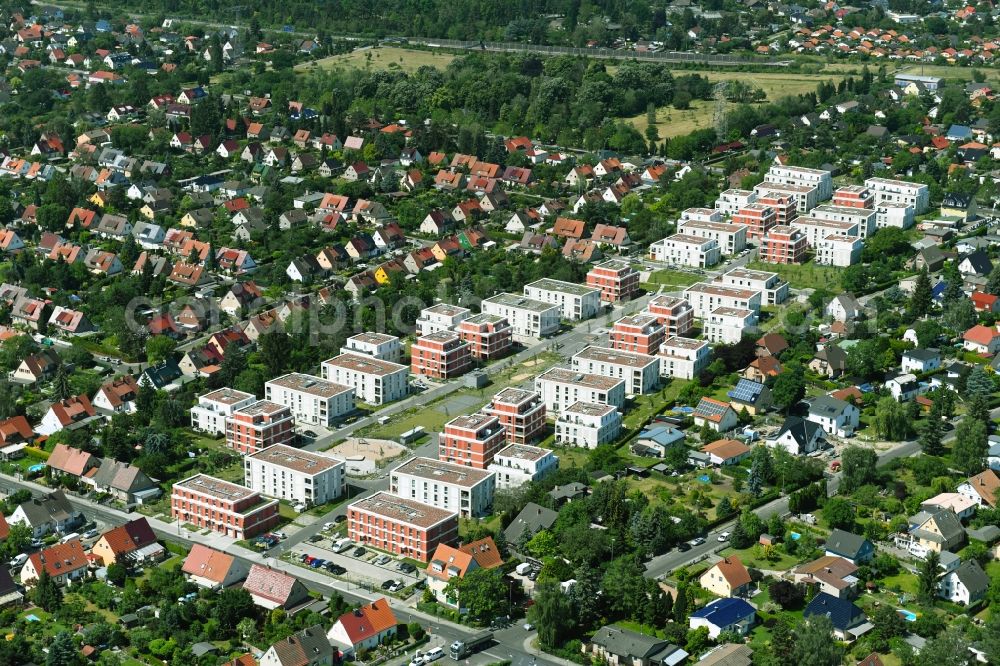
{"x":803,"y":276}
{"x":389,"y":57}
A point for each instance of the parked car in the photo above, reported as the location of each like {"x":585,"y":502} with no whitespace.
{"x":382,"y":560}
{"x":315,"y":538}
{"x":339,"y":519}
{"x":280,"y":535}
{"x":328,"y":526}
{"x":90,"y":534}
{"x":724,"y":537}
{"x":406,"y":567}
{"x":697,"y":541}
{"x":387,"y":584}
{"x":317,"y":563}
{"x":397,"y":585}
{"x":335,"y":569}
{"x":359,"y":551}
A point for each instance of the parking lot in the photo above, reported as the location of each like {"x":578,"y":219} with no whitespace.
{"x":370,"y":570}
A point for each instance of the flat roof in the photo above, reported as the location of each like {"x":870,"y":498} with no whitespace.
{"x":471,"y":421}
{"x":590,"y":409}
{"x":261,"y":407}
{"x":684,"y":343}
{"x":667,"y":301}
{"x":524,"y":451}
{"x":402,"y":510}
{"x":615,"y":265}
{"x":728,"y":227}
{"x":567,"y":376}
{"x":852,"y":189}
{"x":736,"y":192}
{"x":548,"y":284}
{"x":750,"y":274}
{"x":841,"y":238}
{"x":845,"y":210}
{"x":515,"y":396}
{"x":373,"y":338}
{"x":800,"y":169}
{"x":305,"y":462}
{"x":688,"y":239}
{"x":213,"y":487}
{"x":819,"y":222}
{"x":742,"y":313}
{"x":447,"y":309}
{"x":721,"y":290}
{"x":484,"y":318}
{"x":782,"y":187}
{"x":615,"y":356}
{"x":226,"y":396}
{"x":445,"y":472}
{"x":517,"y":301}
{"x":365,"y":364}
{"x":894,"y":182}
{"x":439,"y":336}
{"x":639,"y":320}
{"x":309,"y":384}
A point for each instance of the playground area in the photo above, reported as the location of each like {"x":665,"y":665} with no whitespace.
{"x":364,"y":456}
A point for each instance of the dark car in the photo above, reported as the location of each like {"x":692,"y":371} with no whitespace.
{"x":315,"y":538}
{"x":335,"y":569}
{"x":309,"y":433}
{"x":359,"y":551}
{"x":406,"y":567}
{"x":387,"y":584}
{"x":684,"y":546}
{"x":339,"y":519}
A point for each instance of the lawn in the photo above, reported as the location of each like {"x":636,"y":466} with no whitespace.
{"x":804,"y":275}
{"x":382,"y":58}
{"x":904,"y":580}
{"x":782,"y":562}
{"x":673,"y":278}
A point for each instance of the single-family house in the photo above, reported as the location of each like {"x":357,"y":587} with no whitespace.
{"x":835,"y":417}
{"x":849,"y":622}
{"x":364,"y":628}
{"x":830,"y":574}
{"x":983,"y":488}
{"x":830,"y":361}
{"x":798,"y":436}
{"x":727,"y":578}
{"x":213,"y":569}
{"x":616,"y":645}
{"x":724,"y":452}
{"x":270,"y":588}
{"x":853,"y":548}
{"x":966,"y":585}
{"x":920,"y":360}
{"x":724,"y":615}
{"x":718,"y":415}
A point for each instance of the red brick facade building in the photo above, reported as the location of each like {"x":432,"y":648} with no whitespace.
{"x":675,"y":313}
{"x":440,"y":355}
{"x":258,"y":426}
{"x":616,"y":279}
{"x":640,"y":333}
{"x":472,"y":440}
{"x":521,"y":414}
{"x":758,"y":219}
{"x":784,"y":245}
{"x":401,"y":526}
{"x":489,"y":336}
{"x":223,"y":507}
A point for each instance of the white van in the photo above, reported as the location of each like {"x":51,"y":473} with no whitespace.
{"x":433,"y":654}
{"x":18,"y":561}
{"x":69,"y":537}
{"x":340,"y":545}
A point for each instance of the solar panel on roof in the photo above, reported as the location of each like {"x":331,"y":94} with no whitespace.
{"x":746,"y":391}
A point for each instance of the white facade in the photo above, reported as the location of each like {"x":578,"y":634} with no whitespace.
{"x":732,"y":238}
{"x":561,"y":387}
{"x":896,"y":215}
{"x":517,"y":464}
{"x":441,"y":317}
{"x":210,"y":414}
{"x":683,"y":358}
{"x":705,"y":297}
{"x":588,"y":425}
{"x":731,"y":201}
{"x":530,"y":319}
{"x":465,"y":490}
{"x":298,"y":476}
{"x":311,"y":399}
{"x":886,"y":190}
{"x":821,"y":179}
{"x":686,"y":250}
{"x":864,"y":217}
{"x":770,"y":284}
{"x":577,"y":301}
{"x":374,"y":381}
{"x":640,"y":372}
{"x":728,"y":325}
{"x":837,"y":250}
{"x":815,"y":229}
{"x":805,"y":197}
{"x":377,"y":345}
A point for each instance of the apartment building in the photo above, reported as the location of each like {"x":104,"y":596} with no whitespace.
{"x":374,"y":381}
{"x":214,"y":407}
{"x":465,"y":490}
{"x":683,"y":358}
{"x":888,"y":214}
{"x":705,"y":297}
{"x":815,"y":229}
{"x":223,"y":507}
{"x":441,"y":317}
{"x":562,"y":387}
{"x":258,"y":426}
{"x":588,"y":425}
{"x":517,"y":464}
{"x":521,"y":414}
{"x":700,"y":215}
{"x":530,"y":319}
{"x":675,"y":313}
{"x":639,"y":333}
{"x":757,"y":218}
{"x":313,"y":401}
{"x":440,"y":355}
{"x":300,"y":477}
{"x":864,"y":217}
{"x":732,"y":200}
{"x":886,"y":190}
{"x":401,"y":526}
{"x":641,"y":372}
{"x":837,"y":250}
{"x":576,"y":301}
{"x":854,"y":196}
{"x":785,"y":207}
{"x":471,"y":440}
{"x":783,"y":245}
{"x":732,"y":238}
{"x":488,"y":336}
{"x":728,"y":325}
{"x":683,"y":249}
{"x":821,"y":179}
{"x":381,"y":346}
{"x":616,"y":279}
{"x":770,"y":284}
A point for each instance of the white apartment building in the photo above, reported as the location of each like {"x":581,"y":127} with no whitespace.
{"x":732,"y":238}
{"x":530,"y":319}
{"x":821,"y":179}
{"x":700,"y":215}
{"x":683,"y":358}
{"x":888,"y":214}
{"x":686,"y":250}
{"x":815,"y":229}
{"x":312,"y":400}
{"x":374,"y":381}
{"x":916,"y":195}
{"x":837,"y":250}
{"x":576,"y":301}
{"x":728,"y":324}
{"x":441,"y":317}
{"x":805,"y":197}
{"x":865,"y":217}
{"x":298,"y":476}
{"x":732,"y":200}
{"x":588,"y":425}
{"x":770,"y":284}
{"x":517,"y":464}
{"x":465,"y":490}
{"x":705,"y":297}
{"x":562,"y":387}
{"x":382,"y":346}
{"x":209,"y":415}
{"x":640,"y":372}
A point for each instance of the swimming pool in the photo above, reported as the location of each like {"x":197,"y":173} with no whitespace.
{"x":34,"y":469}
{"x":705,"y":478}
{"x":794,"y":536}
{"x":909,"y":616}
{"x":31,"y":617}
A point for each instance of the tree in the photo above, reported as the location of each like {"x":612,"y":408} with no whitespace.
{"x":159,"y":348}
{"x":47,"y":595}
{"x":60,"y":384}
{"x":789,"y":387}
{"x":740,"y":538}
{"x":858,"y":468}
{"x":927,"y":577}
{"x":814,"y":644}
{"x":949,"y":648}
{"x":117,"y":574}
{"x":553,"y":614}
{"x":275,"y":350}
{"x":971,"y":446}
{"x":921,"y":300}
{"x":231,"y":606}
{"x":62,"y":651}
{"x":891,"y":421}
{"x":481,"y":591}
{"x":839,"y":513}
{"x":979,"y":383}
{"x":785,"y":593}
